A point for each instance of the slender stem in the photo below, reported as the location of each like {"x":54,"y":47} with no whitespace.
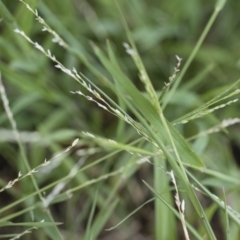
{"x":22,"y":150}
{"x":192,"y":55}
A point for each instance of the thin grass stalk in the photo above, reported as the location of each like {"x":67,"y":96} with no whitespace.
{"x":217,"y":9}
{"x":22,"y":150}
{"x":88,"y":234}
{"x":232,"y":214}
{"x":180,"y":174}
{"x":176,"y":213}
{"x":137,"y":59}
{"x":177,"y":170}
{"x":164,"y":217}
{"x":56,"y":182}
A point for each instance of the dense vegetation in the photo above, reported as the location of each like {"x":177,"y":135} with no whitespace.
{"x":119,"y":115}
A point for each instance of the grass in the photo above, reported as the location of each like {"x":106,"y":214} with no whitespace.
{"x":96,"y":136}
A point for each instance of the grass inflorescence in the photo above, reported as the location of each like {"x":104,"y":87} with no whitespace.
{"x":151,"y":144}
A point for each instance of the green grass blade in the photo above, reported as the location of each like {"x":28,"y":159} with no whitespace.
{"x":218,"y":7}
{"x":176,"y":213}
{"x":100,"y":222}
{"x":231,"y":213}
{"x":29,"y":224}
{"x":89,"y":233}
{"x":226,"y":218}
{"x":127,"y":88}
{"x":163,"y":229}
{"x":130,"y":214}
{"x":142,"y":71}
{"x":6,"y":14}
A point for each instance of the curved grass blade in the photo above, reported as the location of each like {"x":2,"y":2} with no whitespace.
{"x":218,"y":7}
{"x":235,"y":216}
{"x":176,"y":213}
{"x":89,"y":233}
{"x":129,"y":215}
{"x":127,"y":89}
{"x":29,"y":224}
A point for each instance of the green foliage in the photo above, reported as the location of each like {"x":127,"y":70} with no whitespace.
{"x":133,"y":115}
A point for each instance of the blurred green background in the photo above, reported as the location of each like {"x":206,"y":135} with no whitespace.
{"x":42,"y":104}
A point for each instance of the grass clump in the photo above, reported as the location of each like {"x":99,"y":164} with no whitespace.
{"x":150,"y":157}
